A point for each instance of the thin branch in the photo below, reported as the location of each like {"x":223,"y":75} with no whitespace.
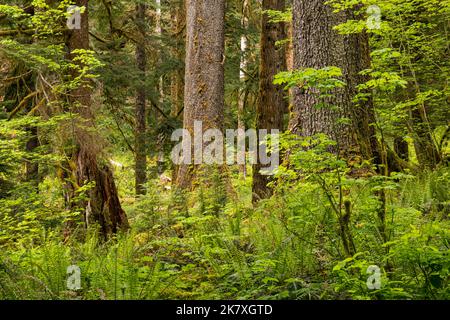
{"x":124,"y":137}
{"x":22,"y":104}
{"x":154,"y":104}
{"x":4,"y":33}
{"x":40,"y":104}
{"x":97,"y":37}
{"x":180,"y":112}
{"x":16,"y":77}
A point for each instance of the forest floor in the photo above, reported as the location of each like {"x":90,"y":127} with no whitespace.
{"x":208,"y":245}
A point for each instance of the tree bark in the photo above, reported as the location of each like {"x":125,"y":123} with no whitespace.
{"x":204,"y":77}
{"x":140,"y":109}
{"x":317,"y":45}
{"x":290,"y":58}
{"x":272,"y":104}
{"x":362,"y":116}
{"x":427,"y":153}
{"x":178,"y":15}
{"x":102,"y":206}
{"x":242,"y":78}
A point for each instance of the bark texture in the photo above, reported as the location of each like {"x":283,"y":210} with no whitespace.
{"x":317,"y":45}
{"x":178,"y":15}
{"x":272,"y":103}
{"x":243,"y":77}
{"x":204,"y":77}
{"x":427,"y":153}
{"x":140,"y":109}
{"x":102,"y":206}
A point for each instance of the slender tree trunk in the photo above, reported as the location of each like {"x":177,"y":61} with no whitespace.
{"x":102,"y":206}
{"x":160,"y":142}
{"x":178,"y":15}
{"x":158,"y":31}
{"x":243,"y":77}
{"x":426,"y":151}
{"x":32,"y":168}
{"x":140,"y":109}
{"x":177,"y":79}
{"x":272,"y":104}
{"x":204,"y":79}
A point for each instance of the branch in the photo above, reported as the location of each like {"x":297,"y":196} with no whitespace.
{"x":4,"y":33}
{"x":180,"y":112}
{"x":154,"y":104}
{"x":40,"y":104}
{"x":28,"y":32}
{"x":124,"y":137}
{"x":16,"y":77}
{"x":97,"y":37}
{"x":22,"y":104}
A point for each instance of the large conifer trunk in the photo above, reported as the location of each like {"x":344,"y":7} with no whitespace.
{"x":204,"y":77}
{"x":317,"y":45}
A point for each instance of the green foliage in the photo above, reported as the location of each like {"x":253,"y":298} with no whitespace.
{"x":410,"y":68}
{"x":213,"y":243}
{"x":279,"y":16}
{"x":289,"y":247}
{"x":323,"y":80}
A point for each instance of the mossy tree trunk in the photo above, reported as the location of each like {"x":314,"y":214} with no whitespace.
{"x":317,"y":45}
{"x":242,"y":94}
{"x":204,"y":75}
{"x":140,"y":108}
{"x":427,"y":152}
{"x":102,"y":205}
{"x":272,"y":104}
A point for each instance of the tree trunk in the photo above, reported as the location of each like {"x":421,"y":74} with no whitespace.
{"x":158,"y":31}
{"x":177,"y":79}
{"x":204,"y":78}
{"x":32,"y":167}
{"x":317,"y":45}
{"x":290,"y":59}
{"x":243,"y":77}
{"x":160,"y":141}
{"x":426,"y":151}
{"x":102,"y":206}
{"x":140,"y":110}
{"x":178,"y":15}
{"x":272,"y":104}
{"x":357,"y":59}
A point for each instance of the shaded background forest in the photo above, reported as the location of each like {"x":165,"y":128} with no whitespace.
{"x":86,"y":118}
